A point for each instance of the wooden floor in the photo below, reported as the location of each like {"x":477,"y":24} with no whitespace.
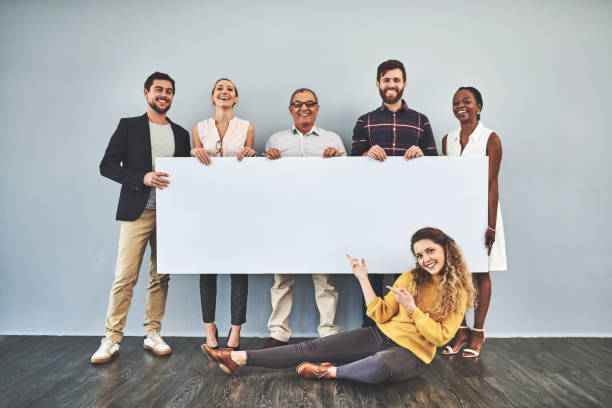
{"x":54,"y":371}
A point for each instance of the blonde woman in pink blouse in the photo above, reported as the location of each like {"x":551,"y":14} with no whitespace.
{"x":223,"y":135}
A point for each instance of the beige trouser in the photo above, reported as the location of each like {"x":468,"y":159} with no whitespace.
{"x":133,"y":240}
{"x":281,"y":295}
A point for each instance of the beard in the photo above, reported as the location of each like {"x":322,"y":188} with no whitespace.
{"x":389,"y":100}
{"x":157,"y":108}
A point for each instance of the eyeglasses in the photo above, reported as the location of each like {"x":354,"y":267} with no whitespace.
{"x":298,"y":104}
{"x":219,"y":152}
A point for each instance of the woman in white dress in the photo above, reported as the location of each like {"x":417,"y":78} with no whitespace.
{"x":474,"y":139}
{"x":223,"y":135}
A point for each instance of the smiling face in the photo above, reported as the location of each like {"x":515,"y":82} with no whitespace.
{"x":429,"y":255}
{"x":304,"y":117}
{"x":465,"y":106}
{"x":224,"y":94}
{"x":391,"y":86}
{"x":159,"y":96}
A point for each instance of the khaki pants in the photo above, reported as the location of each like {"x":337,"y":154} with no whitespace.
{"x":133,"y":240}
{"x":281,"y":295}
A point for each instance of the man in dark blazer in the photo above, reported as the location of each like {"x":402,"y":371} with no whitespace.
{"x":130,"y":160}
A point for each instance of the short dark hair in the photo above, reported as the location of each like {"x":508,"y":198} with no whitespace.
{"x":388,"y":65}
{"x":158,"y":75}
{"x":297,"y":91}
{"x":476,"y":94}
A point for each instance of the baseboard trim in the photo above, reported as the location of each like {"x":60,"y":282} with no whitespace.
{"x":490,"y":335}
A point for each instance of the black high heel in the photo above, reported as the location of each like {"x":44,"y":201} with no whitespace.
{"x":237,"y":348}
{"x":208,"y":356}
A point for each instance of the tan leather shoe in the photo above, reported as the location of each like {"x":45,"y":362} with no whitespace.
{"x":309,"y":370}
{"x":223,"y":357}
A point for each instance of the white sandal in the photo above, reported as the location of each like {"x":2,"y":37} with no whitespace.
{"x":448,"y":350}
{"x":474,"y":353}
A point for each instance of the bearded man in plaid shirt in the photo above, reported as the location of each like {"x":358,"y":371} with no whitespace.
{"x":393,"y":129}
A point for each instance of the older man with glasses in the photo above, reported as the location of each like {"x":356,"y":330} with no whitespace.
{"x":304,"y":139}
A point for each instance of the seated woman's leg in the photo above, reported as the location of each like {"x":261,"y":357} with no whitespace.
{"x":340,"y":348}
{"x":390,"y":365}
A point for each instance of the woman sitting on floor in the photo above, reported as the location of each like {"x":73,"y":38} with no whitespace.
{"x":423,"y":310}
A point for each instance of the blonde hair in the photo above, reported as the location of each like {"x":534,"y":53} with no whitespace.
{"x":224,"y":79}
{"x":456,"y":277}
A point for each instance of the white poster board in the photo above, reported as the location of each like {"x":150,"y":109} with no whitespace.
{"x":302,"y":215}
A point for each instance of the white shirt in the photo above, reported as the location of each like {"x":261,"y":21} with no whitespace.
{"x":292,"y":143}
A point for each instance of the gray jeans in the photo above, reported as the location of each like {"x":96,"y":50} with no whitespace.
{"x":371,"y":356}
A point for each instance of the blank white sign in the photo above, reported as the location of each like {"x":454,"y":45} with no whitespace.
{"x":302,"y":215}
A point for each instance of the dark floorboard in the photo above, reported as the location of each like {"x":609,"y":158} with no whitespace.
{"x":54,"y":371}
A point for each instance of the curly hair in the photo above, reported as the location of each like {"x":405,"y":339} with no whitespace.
{"x":456,"y":276}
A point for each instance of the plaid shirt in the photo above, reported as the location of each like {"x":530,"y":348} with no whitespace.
{"x":394,"y":132}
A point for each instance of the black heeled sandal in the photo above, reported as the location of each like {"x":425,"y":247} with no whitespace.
{"x":237,"y":348}
{"x":208,"y":356}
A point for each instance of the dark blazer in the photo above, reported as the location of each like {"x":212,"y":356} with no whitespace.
{"x":128,"y":158}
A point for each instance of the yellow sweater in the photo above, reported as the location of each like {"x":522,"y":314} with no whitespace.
{"x":417,"y":332}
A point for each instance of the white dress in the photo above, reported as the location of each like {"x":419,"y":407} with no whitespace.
{"x":231,"y":144}
{"x":477,"y":147}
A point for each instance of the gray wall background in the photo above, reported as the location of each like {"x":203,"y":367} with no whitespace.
{"x":71,"y":69}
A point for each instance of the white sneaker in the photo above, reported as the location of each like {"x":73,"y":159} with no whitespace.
{"x":107,"y":350}
{"x":156,"y":344}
